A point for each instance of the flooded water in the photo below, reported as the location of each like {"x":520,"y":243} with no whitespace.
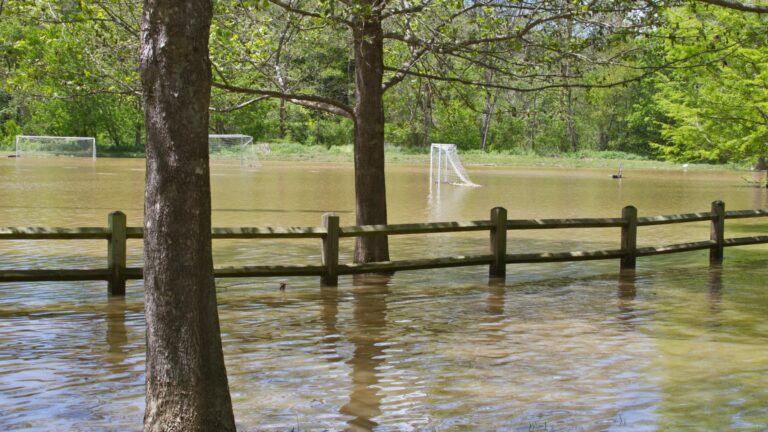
{"x":674,"y":345}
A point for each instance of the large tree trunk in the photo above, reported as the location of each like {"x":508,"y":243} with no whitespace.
{"x":370,"y":191}
{"x":186,"y":386}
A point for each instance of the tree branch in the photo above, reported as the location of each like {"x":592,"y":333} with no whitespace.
{"x":400,"y":75}
{"x":458,"y":80}
{"x":240,"y":105}
{"x":309,"y":101}
{"x":730,"y":4}
{"x":307,"y":13}
{"x":416,"y":8}
{"x":443,"y":48}
{"x":763,"y":114}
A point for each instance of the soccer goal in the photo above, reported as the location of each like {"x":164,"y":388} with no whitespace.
{"x":445,"y":166}
{"x":233,"y":147}
{"x":48,"y":146}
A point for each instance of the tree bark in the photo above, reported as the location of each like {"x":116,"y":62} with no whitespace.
{"x":568,"y":92}
{"x":137,"y":143}
{"x":186,"y":381}
{"x":490,"y":105}
{"x":602,"y":138}
{"x":762,"y":165}
{"x":534,"y":125}
{"x":427,"y":111}
{"x":370,"y":191}
{"x":281,"y":126}
{"x":572,"y":137}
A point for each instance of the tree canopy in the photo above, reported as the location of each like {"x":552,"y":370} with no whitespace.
{"x":716,"y":111}
{"x":482,"y":74}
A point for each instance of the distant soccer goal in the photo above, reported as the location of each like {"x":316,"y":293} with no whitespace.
{"x":445,"y":166}
{"x":233,"y":147}
{"x":49,"y":146}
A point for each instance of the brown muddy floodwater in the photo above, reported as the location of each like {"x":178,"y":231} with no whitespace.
{"x":673,"y":346}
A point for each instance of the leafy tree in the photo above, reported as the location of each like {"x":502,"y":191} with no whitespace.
{"x":70,"y":70}
{"x":380,"y":44}
{"x":187,"y":387}
{"x":717,"y":111}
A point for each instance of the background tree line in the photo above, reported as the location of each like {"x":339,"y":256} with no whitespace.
{"x":68,"y":68}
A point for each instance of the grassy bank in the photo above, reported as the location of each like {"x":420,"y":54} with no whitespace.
{"x":582,"y":159}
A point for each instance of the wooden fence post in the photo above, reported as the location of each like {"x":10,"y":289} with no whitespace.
{"x":116,"y":254}
{"x":629,"y":237}
{"x":330,"y":252}
{"x":498,"y":266}
{"x":717,"y":232}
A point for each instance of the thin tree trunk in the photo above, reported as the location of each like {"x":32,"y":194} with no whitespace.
{"x":602,"y":138}
{"x":569,"y":114}
{"x":427,"y":120}
{"x":534,"y":125}
{"x":490,"y":105}
{"x":186,"y":381}
{"x":281,"y":128}
{"x":574,"y":139}
{"x":762,"y":165}
{"x":137,"y":142}
{"x":370,"y":191}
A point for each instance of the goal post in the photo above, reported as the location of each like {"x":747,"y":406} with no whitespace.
{"x":233,"y":147}
{"x":445,"y":166}
{"x":50,"y":146}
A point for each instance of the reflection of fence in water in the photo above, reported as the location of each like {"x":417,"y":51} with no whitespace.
{"x":330,"y":233}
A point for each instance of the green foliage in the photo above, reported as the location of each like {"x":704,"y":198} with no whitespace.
{"x":718,"y":110}
{"x":8,"y":131}
{"x":65,"y":67}
{"x":622,"y":118}
{"x":457,"y":124}
{"x":69,"y":68}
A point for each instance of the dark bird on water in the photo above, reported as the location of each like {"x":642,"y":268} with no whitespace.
{"x":282,"y":286}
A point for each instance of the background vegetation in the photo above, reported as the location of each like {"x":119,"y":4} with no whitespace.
{"x":69,"y":68}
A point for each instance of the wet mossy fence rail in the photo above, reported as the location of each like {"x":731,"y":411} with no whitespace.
{"x":116,"y":234}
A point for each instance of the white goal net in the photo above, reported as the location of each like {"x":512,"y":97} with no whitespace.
{"x":233,"y":147}
{"x":445,"y":166}
{"x":49,"y":146}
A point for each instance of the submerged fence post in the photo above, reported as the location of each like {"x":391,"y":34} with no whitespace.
{"x":717,"y":232}
{"x":116,"y":253}
{"x":498,"y":266}
{"x":330,"y":253}
{"x":629,"y":237}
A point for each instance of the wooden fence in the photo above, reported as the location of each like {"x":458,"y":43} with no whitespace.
{"x":330,"y":232}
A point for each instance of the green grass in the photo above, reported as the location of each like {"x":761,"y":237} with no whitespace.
{"x":397,"y":155}
{"x":290,"y":151}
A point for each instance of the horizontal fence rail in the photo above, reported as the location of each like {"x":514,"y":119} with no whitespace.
{"x":330,"y":232}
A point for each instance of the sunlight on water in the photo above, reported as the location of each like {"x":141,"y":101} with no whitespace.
{"x":674,"y":345}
